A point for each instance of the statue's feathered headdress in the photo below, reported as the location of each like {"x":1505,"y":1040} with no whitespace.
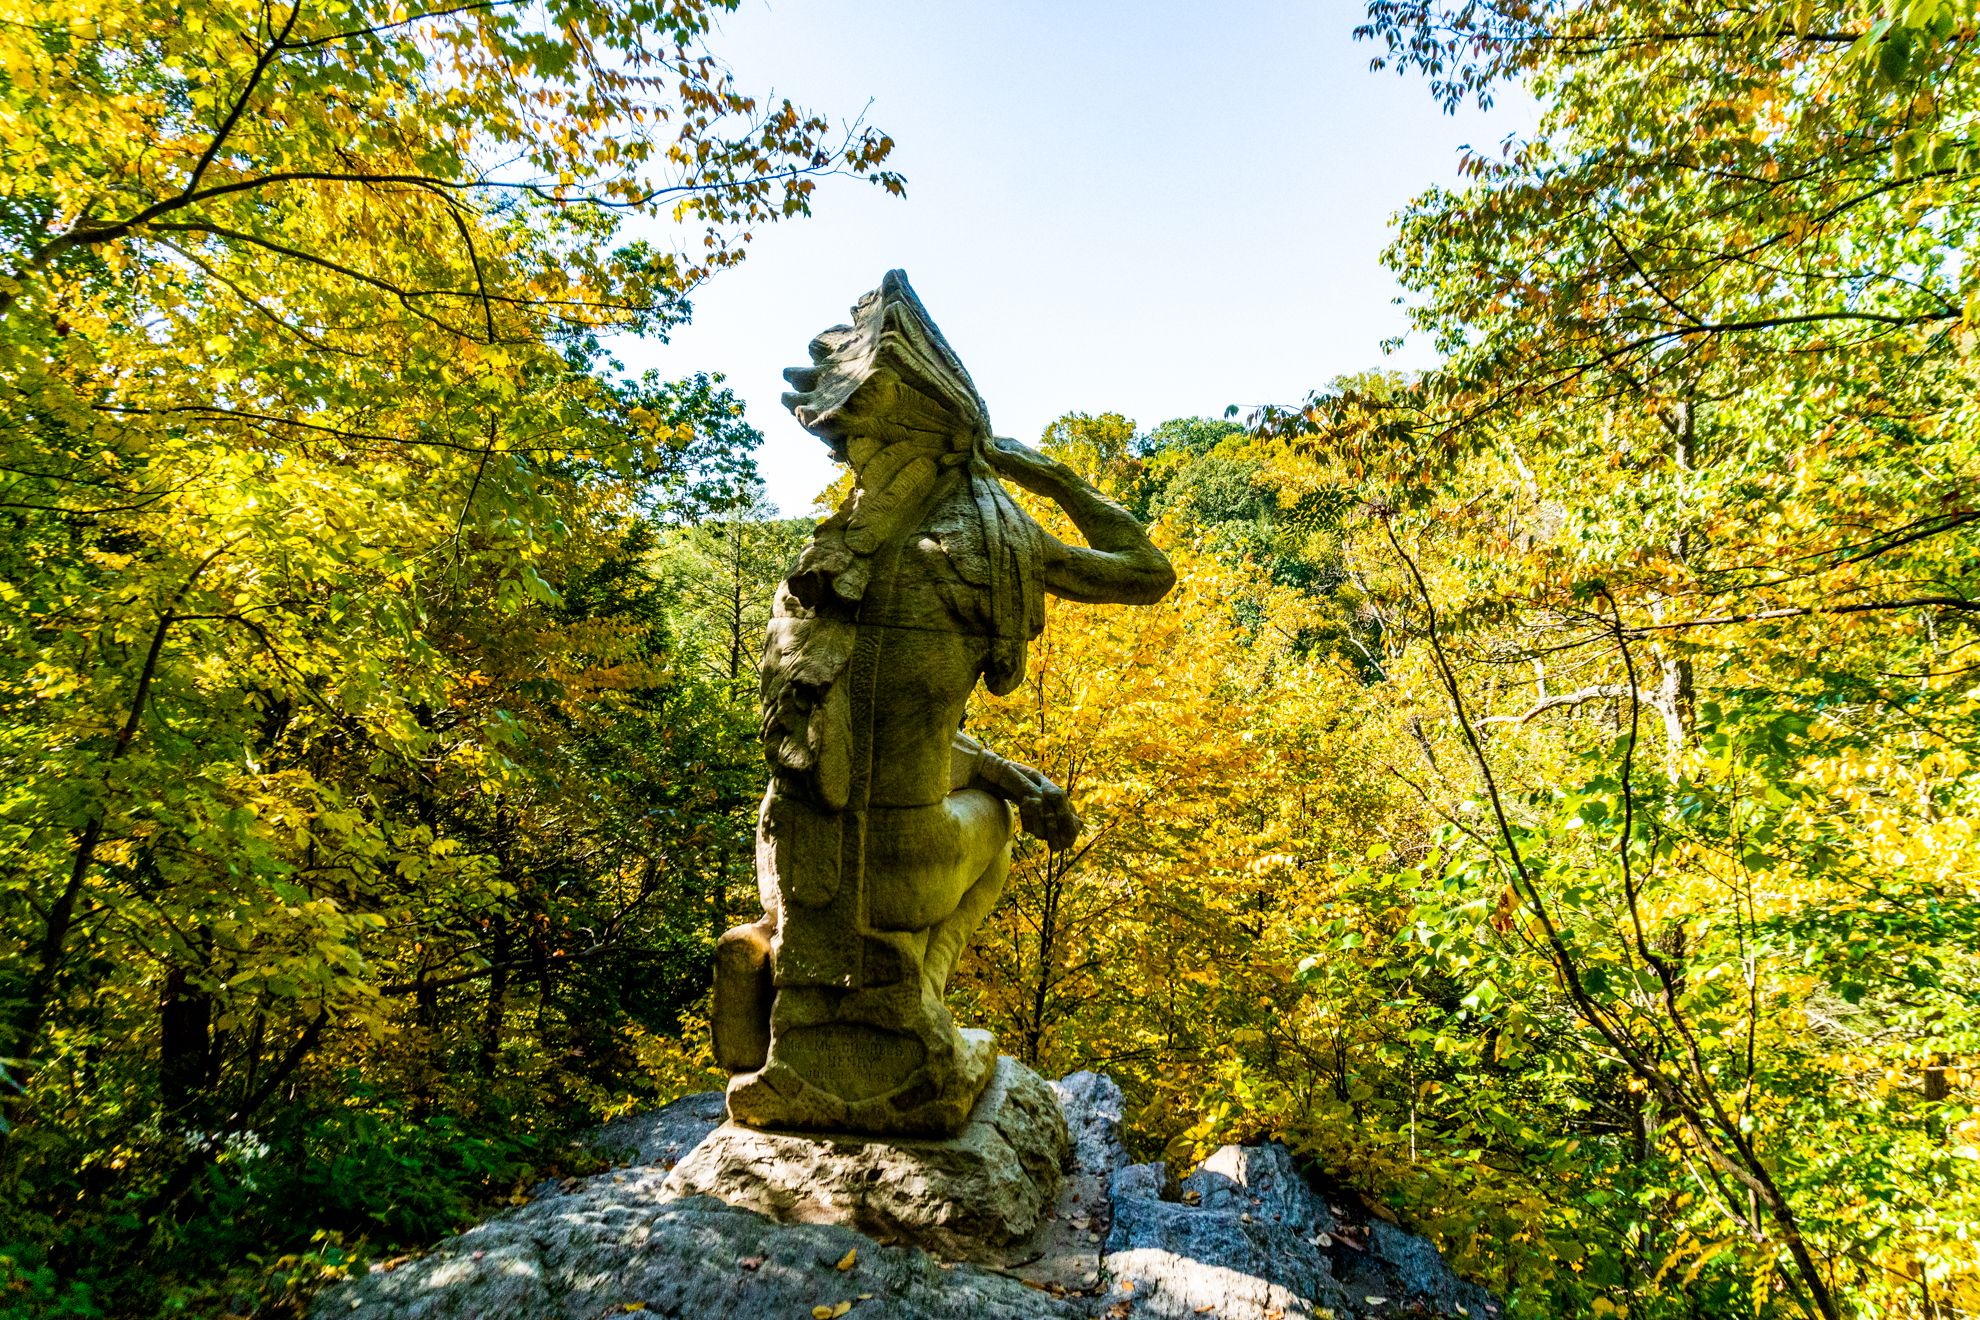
{"x":851,"y":395}
{"x":892,"y":399}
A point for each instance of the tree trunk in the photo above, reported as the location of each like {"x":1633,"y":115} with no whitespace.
{"x":498,"y":1000}
{"x":185,"y":1050}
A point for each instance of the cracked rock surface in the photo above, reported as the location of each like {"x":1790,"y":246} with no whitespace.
{"x":1244,"y":1237}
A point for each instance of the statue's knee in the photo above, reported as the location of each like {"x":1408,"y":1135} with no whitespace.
{"x":740,"y":1022}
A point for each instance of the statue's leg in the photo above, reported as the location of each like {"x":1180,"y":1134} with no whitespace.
{"x":923,"y":862}
{"x":740,"y":1021}
{"x":946,"y":940}
{"x":983,"y":838}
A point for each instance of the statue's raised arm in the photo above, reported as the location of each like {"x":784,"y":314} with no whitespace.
{"x":1118,"y":565}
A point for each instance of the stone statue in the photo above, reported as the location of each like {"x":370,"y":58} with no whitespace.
{"x":885,"y":835}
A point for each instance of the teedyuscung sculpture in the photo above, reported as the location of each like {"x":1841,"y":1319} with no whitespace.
{"x":885,"y":835}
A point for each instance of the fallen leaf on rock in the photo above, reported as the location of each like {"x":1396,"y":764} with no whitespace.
{"x":846,"y":1261}
{"x":1375,"y":1301}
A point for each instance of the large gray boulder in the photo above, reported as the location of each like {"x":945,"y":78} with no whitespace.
{"x":620,"y":1244}
{"x":1244,"y":1237}
{"x":1238,"y":1239}
{"x":665,"y":1136}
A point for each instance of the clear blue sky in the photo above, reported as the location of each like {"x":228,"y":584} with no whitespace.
{"x":1149,"y":208}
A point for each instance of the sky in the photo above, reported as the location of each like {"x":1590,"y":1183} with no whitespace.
{"x":1158,"y":209}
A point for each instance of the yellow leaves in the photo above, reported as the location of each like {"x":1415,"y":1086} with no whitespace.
{"x":830,"y":1311}
{"x":847,"y":1261}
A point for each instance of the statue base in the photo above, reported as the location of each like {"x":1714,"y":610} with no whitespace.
{"x":833,"y":1067}
{"x":960,"y":1197}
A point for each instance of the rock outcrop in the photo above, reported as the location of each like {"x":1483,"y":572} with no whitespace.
{"x":965,"y":1197}
{"x":1244,"y":1237}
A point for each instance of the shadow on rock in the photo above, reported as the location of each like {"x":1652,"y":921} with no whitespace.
{"x":1244,"y":1237}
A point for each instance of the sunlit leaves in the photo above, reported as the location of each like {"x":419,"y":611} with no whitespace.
{"x":334,"y":688}
{"x":1695,"y":521}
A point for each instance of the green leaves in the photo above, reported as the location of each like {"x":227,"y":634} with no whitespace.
{"x":336,"y":689}
{"x":1672,"y":495}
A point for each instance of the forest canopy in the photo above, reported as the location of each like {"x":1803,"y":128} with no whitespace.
{"x":342,"y":718}
{"x":1547,"y":800}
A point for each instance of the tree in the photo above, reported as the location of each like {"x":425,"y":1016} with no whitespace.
{"x":1677,"y":539}
{"x":333,"y":679}
{"x":1217,"y":765}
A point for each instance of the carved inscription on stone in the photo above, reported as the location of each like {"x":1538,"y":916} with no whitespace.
{"x":869,"y":1061}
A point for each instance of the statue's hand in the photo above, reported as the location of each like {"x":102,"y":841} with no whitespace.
{"x":1049,"y":815}
{"x":1044,"y":808}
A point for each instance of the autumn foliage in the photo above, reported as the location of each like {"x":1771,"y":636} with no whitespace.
{"x":1548,"y":799}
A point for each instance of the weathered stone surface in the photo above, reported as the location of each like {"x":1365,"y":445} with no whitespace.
{"x":620,"y":1240}
{"x":985,"y":1188}
{"x":1092,"y":1105}
{"x":1247,"y":1253}
{"x":665,"y":1136}
{"x":1065,"y":1252}
{"x":1245,"y":1236}
{"x":885,"y":834}
{"x":1393,"y":1262}
{"x":1263,"y":1182}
